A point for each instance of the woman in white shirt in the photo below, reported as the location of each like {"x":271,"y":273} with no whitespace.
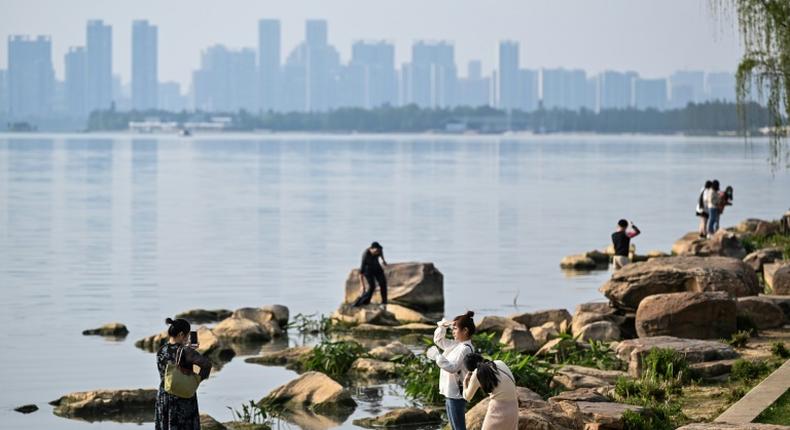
{"x":451,"y":362}
{"x":496,"y":380}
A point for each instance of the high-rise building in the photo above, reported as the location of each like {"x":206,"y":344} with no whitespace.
{"x":591,"y":94}
{"x":686,"y":81}
{"x":509,"y":93}
{"x":98,"y":66}
{"x":721,"y":87}
{"x":145,"y":81}
{"x":563,"y":89}
{"x":318,"y":67}
{"x":75,"y":61}
{"x":30,"y":76}
{"x":3,"y":91}
{"x":527,"y":90}
{"x":616,"y":89}
{"x":431,"y":76}
{"x":372,"y":74}
{"x":294,"y":80}
{"x":269,"y":64}
{"x":650,"y":93}
{"x":170,"y":98}
{"x":226,"y":80}
{"x":474,"y":90}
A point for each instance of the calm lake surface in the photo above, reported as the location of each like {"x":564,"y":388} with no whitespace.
{"x":132,"y":228}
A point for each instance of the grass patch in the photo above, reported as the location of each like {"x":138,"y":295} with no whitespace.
{"x":778,"y":412}
{"x":778,"y":240}
{"x":594,"y":353}
{"x":779,"y":350}
{"x":738,"y":339}
{"x":333,"y":358}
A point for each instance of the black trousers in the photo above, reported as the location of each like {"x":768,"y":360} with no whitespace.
{"x":372,"y":278}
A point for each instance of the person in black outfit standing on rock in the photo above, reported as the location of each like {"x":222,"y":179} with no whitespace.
{"x":371,"y":270}
{"x":621,"y":239}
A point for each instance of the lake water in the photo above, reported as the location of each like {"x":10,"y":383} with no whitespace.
{"x":131,"y":228}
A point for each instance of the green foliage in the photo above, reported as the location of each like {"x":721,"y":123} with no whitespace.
{"x":486,"y":343}
{"x":739,"y":339}
{"x":754,"y":242}
{"x":594,"y":354}
{"x":420,"y":378}
{"x":333,"y":358}
{"x":779,"y":350}
{"x":657,"y":417}
{"x":251,"y":413}
{"x":311,"y":324}
{"x":750,"y":371}
{"x":665,"y":364}
{"x":778,"y":412}
{"x":528,"y":371}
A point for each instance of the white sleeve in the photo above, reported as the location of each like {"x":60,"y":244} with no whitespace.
{"x":454,"y":365}
{"x":471,"y":389}
{"x":440,"y":340}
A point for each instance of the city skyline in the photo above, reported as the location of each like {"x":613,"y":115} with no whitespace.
{"x":590,"y":39}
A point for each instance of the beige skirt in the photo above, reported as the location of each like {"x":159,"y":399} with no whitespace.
{"x":501,"y":415}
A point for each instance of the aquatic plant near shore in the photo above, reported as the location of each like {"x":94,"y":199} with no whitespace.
{"x":332,"y":358}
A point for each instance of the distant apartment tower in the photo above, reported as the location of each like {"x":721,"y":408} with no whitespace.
{"x":431,"y":77}
{"x":226,"y":80}
{"x":145,"y":81}
{"x":527,"y":90}
{"x":169,"y":97}
{"x":474,"y":90}
{"x":721,"y":87}
{"x":30,"y":76}
{"x":686,"y":86}
{"x":616,"y":89}
{"x":508,"y":75}
{"x":269,"y":79}
{"x":563,"y":89}
{"x":372,"y":74}
{"x":317,"y":65}
{"x":75,"y":61}
{"x":650,"y":93}
{"x":98,"y":65}
{"x":3,"y":92}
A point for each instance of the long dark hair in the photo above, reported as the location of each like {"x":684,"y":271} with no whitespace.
{"x":177,"y":326}
{"x":466,"y":321}
{"x":487,"y":371}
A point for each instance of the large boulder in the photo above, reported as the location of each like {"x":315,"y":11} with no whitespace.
{"x":723,"y":243}
{"x":199,"y":316}
{"x":371,"y":369}
{"x":759,"y":227}
{"x":264,"y":318}
{"x":578,"y":262}
{"x":762,"y":312}
{"x":116,"y":405}
{"x":770,"y":269}
{"x":780,"y":281}
{"x":629,"y":285}
{"x":543,"y":333}
{"x":708,"y":315}
{"x":538,"y":318}
{"x":406,"y":315}
{"x":402,"y":417}
{"x":414,"y":285}
{"x":575,"y":377}
{"x":587,"y":313}
{"x":390,"y":351}
{"x":603,"y":331}
{"x":761,"y":257}
{"x":519,"y":340}
{"x":280,"y":312}
{"x":497,"y":324}
{"x":111,"y":329}
{"x":368,"y":314}
{"x":241,"y":330}
{"x":632,"y":351}
{"x":314,"y":391}
{"x":782,"y":301}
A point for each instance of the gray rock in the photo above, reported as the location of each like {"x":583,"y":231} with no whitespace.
{"x":757,"y":259}
{"x":314,"y":391}
{"x":402,"y":417}
{"x":371,"y":369}
{"x":26,"y":409}
{"x":632,"y":351}
{"x":580,"y":395}
{"x":417,"y":286}
{"x":604,"y":331}
{"x":235,"y":329}
{"x":112,"y":329}
{"x":266,"y":319}
{"x":116,"y":405}
{"x":575,"y":377}
{"x":199,"y":316}
{"x":710,"y":369}
{"x":763,"y":312}
{"x":390,"y":351}
{"x":369,"y":314}
{"x":628,"y":286}
{"x":289,"y":357}
{"x":538,"y":318}
{"x":770,"y":269}
{"x":780,"y":281}
{"x":519,"y":340}
{"x":782,"y":301}
{"x":280,"y":312}
{"x":706,"y":315}
{"x":497,"y":324}
{"x":545,"y":332}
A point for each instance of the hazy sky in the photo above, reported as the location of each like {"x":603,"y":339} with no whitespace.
{"x":653,"y":37}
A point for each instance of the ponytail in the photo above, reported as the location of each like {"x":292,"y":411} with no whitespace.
{"x":177,"y":326}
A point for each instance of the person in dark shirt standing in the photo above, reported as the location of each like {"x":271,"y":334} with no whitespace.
{"x":621,"y":239}
{"x":371,"y":270}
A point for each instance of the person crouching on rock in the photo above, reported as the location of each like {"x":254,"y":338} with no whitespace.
{"x":451,"y":363}
{"x":496,"y":380}
{"x":174,"y":412}
{"x":621,"y":239}
{"x":371,"y":270}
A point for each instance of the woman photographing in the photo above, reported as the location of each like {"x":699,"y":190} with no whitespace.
{"x":496,"y":380}
{"x":451,"y":363}
{"x":173,"y":411}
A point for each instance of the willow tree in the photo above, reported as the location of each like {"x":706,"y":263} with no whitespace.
{"x":764,"y":27}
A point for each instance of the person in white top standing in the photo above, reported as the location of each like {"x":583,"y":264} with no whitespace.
{"x":451,"y":362}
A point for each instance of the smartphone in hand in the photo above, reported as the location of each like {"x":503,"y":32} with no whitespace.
{"x":193,"y":339}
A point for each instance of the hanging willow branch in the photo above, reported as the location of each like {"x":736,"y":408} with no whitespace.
{"x":765,"y":32}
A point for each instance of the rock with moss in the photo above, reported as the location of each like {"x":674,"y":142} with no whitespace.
{"x":402,"y":417}
{"x":629,"y":285}
{"x":314,"y":391}
{"x":101,"y":405}
{"x":115,"y":329}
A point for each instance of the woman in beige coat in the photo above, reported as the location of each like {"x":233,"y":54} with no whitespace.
{"x":496,"y":380}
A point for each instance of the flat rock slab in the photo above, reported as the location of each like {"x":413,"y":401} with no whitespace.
{"x":371,"y":369}
{"x":574,"y":377}
{"x":199,"y":316}
{"x":629,"y":285}
{"x":402,"y":417}
{"x":711,"y":369}
{"x":26,"y":409}
{"x":696,"y":351}
{"x":606,"y":413}
{"x":580,"y":395}
{"x":289,"y":357}
{"x":108,"y":405}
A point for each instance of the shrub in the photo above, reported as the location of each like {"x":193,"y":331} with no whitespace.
{"x":486,"y":343}
{"x":420,"y":377}
{"x":779,"y":350}
{"x":665,"y":364}
{"x":739,"y":339}
{"x":333,"y":358}
{"x":528,"y":371}
{"x":755,"y":242}
{"x":750,"y":371}
{"x":656,"y":417}
{"x":645,"y":391}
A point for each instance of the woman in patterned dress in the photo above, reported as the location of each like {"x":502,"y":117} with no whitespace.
{"x":173,"y":412}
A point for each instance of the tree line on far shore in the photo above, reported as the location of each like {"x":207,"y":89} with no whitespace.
{"x":708,"y":118}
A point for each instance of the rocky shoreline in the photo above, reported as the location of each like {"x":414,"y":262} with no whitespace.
{"x":693,"y":303}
